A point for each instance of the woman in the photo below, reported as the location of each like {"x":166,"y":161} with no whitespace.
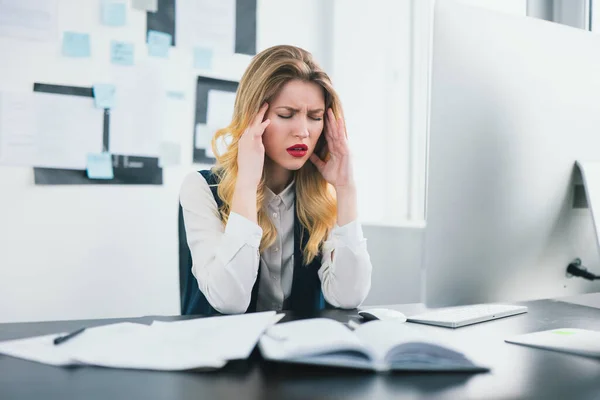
{"x":273,"y":225}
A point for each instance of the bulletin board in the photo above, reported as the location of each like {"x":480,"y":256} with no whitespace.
{"x":126,"y":169}
{"x":164,"y":20}
{"x":130,"y":46}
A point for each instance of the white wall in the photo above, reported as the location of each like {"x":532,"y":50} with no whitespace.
{"x":111,"y":251}
{"x":371,"y":72}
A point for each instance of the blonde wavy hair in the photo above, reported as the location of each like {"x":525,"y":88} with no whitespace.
{"x":266,"y":75}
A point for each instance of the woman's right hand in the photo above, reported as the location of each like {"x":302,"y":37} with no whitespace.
{"x":251,"y":151}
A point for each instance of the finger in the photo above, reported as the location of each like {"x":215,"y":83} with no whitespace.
{"x":334,"y":125}
{"x":333,"y":138}
{"x":261,"y":114}
{"x":262,"y":127}
{"x":324,"y":151}
{"x":334,"y":144}
{"x":329,"y":137}
{"x":317,"y":161}
{"x":343,"y":136}
{"x":342,"y":128}
{"x":330,"y":125}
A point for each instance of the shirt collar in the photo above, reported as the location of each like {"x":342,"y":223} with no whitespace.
{"x":287,"y":196}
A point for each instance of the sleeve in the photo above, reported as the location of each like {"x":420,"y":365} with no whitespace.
{"x":225,"y":258}
{"x":346,"y":268}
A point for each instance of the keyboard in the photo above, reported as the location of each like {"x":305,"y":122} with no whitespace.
{"x":455,"y":317}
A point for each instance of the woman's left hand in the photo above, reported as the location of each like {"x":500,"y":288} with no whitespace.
{"x":337,"y":170}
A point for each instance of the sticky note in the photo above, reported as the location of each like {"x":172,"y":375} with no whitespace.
{"x":169,"y":154}
{"x":104,"y":95}
{"x":99,"y":166}
{"x":121,"y":53}
{"x":564,"y":332}
{"x":159,"y":44}
{"x":175,"y":95}
{"x":145,"y":5}
{"x":203,"y":58}
{"x":114,"y":13}
{"x":76,"y":44}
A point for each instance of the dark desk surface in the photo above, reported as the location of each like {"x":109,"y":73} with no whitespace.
{"x":517,"y":371}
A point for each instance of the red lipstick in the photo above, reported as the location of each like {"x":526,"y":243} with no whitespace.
{"x":298,"y":150}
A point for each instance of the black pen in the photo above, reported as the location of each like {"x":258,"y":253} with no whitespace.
{"x":62,"y":339}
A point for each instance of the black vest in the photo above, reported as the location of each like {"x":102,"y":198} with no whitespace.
{"x":306,"y":297}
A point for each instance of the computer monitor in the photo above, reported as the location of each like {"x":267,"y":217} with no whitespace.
{"x":515,"y":102}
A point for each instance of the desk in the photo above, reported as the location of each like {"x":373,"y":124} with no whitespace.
{"x":517,"y":372}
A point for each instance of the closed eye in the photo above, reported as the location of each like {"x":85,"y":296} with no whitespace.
{"x":316,"y":118}
{"x":285,"y":116}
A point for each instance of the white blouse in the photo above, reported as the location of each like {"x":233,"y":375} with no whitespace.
{"x":226,"y":258}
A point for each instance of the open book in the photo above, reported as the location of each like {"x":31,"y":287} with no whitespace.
{"x":376,"y":345}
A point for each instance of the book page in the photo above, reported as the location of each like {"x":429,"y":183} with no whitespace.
{"x":382,"y":336}
{"x":307,"y":338}
{"x":402,"y":346}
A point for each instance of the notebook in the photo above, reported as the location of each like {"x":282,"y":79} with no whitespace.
{"x":376,"y":345}
{"x":202,"y":343}
{"x":568,"y":340}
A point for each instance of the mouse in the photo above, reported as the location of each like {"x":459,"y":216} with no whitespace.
{"x":382,"y":314}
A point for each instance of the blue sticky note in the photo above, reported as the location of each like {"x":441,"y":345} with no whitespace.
{"x":172,"y":94}
{"x":104,"y":95}
{"x":203,"y":58}
{"x":121,"y":53}
{"x":99,"y":166}
{"x":76,"y":44}
{"x":114,"y":13}
{"x":159,"y":44}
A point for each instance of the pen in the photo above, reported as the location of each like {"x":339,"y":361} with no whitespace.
{"x":64,"y":338}
{"x":352,"y":324}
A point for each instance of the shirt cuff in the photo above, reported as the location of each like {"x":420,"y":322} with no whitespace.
{"x":350,"y":235}
{"x":244,"y":230}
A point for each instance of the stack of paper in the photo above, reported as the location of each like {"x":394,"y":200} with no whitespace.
{"x":205,"y":343}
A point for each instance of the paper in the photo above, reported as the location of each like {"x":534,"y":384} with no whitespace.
{"x":17,"y":129}
{"x":137,"y":346}
{"x":569,"y":340}
{"x":145,"y":5}
{"x":231,"y":337}
{"x":163,"y":346}
{"x":121,"y":53}
{"x":68,"y":129}
{"x":220,"y":108}
{"x":76,"y":44}
{"x":121,"y":345}
{"x":170,"y":154}
{"x":203,"y":138}
{"x":136,"y":125}
{"x":104,"y":95}
{"x":40,"y":349}
{"x":159,"y":44}
{"x":99,"y":166}
{"x":114,"y":13}
{"x":29,"y":19}
{"x":203,"y":58}
{"x":49,"y":130}
{"x":206,"y":23}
